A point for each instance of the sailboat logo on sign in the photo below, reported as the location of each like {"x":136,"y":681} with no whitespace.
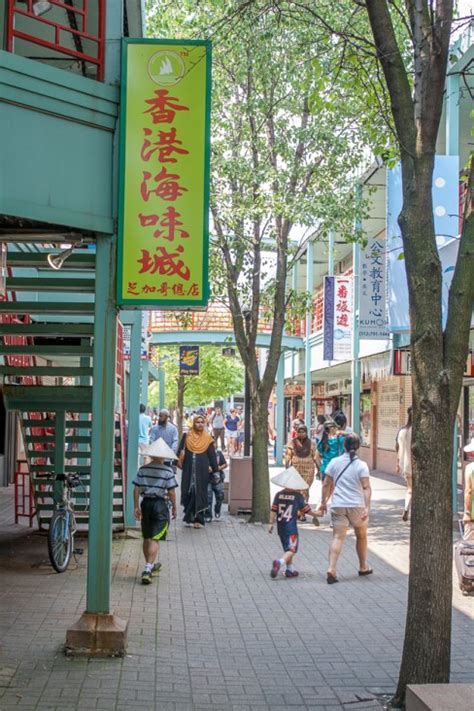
{"x":166,"y":68}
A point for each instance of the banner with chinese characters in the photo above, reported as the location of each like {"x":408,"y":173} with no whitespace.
{"x":373,"y":317}
{"x":189,"y":360}
{"x":164,"y":174}
{"x":337,"y":343}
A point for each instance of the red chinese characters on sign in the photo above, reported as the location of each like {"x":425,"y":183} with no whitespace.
{"x":164,"y":289}
{"x":163,"y":107}
{"x":163,"y":146}
{"x":342,"y":306}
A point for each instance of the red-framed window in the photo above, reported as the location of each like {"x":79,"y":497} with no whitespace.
{"x":72,"y":29}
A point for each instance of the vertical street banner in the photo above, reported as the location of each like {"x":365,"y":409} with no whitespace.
{"x":373,"y":317}
{"x":189,"y":360}
{"x":445,"y":191}
{"x":338,"y":308}
{"x":164,"y":174}
{"x":328,"y":332}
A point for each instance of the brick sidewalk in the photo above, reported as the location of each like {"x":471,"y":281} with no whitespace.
{"x":214,"y":631}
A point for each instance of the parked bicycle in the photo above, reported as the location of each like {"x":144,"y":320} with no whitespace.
{"x":62,"y":526}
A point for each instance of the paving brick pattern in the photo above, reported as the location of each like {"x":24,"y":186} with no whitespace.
{"x":214,"y":632}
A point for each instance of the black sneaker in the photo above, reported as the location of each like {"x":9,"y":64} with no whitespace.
{"x":155,"y":570}
{"x":208,"y":519}
{"x":217,"y":516}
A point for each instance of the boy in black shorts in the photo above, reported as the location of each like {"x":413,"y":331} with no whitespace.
{"x":286,"y":506}
{"x":156,"y":483}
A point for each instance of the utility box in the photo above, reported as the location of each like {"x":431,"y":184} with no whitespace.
{"x":240,"y":485}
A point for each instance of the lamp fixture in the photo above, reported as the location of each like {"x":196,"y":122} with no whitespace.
{"x":41,"y":7}
{"x":56,"y":261}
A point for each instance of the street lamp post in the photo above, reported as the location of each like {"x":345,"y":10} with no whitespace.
{"x":247,"y":414}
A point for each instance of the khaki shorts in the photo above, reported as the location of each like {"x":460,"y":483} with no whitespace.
{"x":345,"y":517}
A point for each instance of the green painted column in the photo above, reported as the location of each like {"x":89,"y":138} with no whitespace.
{"x":280,"y":409}
{"x":133,"y":410}
{"x":113,"y":33}
{"x":355,"y":364}
{"x":59,"y":448}
{"x":307,"y":353}
{"x":454,"y":469}
{"x":162,"y":387}
{"x":452,"y":114}
{"x":103,"y":431}
{"x":145,"y":371}
{"x":294,"y":286}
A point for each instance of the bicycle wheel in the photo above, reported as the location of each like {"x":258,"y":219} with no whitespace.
{"x":60,"y":541}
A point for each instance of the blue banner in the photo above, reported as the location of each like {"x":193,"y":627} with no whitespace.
{"x":328,"y":343}
{"x":189,"y":360}
{"x":446,"y":220}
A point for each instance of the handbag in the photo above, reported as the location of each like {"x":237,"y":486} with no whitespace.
{"x":215,"y":478}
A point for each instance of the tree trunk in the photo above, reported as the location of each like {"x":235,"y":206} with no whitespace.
{"x":427,"y":644}
{"x":260,"y":481}
{"x":180,"y":404}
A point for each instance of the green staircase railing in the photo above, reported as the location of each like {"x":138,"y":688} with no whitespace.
{"x":47,"y":375}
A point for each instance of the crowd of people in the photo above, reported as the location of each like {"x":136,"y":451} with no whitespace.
{"x":332,"y":457}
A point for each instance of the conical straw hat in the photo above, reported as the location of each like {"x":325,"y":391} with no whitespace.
{"x":469,"y":447}
{"x":290,"y":479}
{"x":159,"y":449}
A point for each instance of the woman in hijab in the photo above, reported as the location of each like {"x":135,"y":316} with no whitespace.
{"x":197,"y":458}
{"x":302,"y":455}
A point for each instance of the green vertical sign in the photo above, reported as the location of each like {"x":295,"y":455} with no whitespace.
{"x":164,"y":174}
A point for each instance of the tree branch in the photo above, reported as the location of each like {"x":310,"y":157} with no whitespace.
{"x":395,"y":74}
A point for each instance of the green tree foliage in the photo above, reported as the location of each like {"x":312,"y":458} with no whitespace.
{"x":284,"y":146}
{"x":393,"y":54}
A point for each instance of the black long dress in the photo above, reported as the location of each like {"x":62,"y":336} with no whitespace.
{"x":195,"y":480}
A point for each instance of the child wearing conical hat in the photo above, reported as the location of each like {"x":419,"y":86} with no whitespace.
{"x":287,"y":505}
{"x":155,"y":483}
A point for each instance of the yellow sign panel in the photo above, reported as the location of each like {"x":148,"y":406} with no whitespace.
{"x":164,"y":181}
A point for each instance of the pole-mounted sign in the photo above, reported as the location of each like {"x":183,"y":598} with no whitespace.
{"x":164,"y":174}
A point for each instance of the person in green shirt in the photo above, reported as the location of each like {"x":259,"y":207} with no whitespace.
{"x":331,"y":445}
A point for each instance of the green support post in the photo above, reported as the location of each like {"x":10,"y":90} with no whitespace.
{"x":145,"y":369}
{"x":294,"y":286}
{"x":452,"y":114}
{"x":133,"y":411}
{"x":454,"y":469}
{"x":309,"y":319}
{"x":103,"y":432}
{"x":355,"y":364}
{"x":280,"y":409}
{"x":162,"y":386}
{"x":59,"y":447}
{"x":113,"y":32}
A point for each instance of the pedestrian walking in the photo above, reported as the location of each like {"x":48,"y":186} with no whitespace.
{"x":299,"y":420}
{"x":215,"y":488}
{"x":197,"y":459}
{"x":218,"y":428}
{"x":301,"y":453}
{"x":468,"y":515}
{"x":330,"y":446}
{"x":144,"y":424}
{"x":286,"y":506}
{"x":155,"y":483}
{"x":166,"y":430}
{"x":347,"y":484}
{"x":403,"y":449}
{"x":232,"y":422}
{"x":320,"y":428}
{"x":341,"y":421}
